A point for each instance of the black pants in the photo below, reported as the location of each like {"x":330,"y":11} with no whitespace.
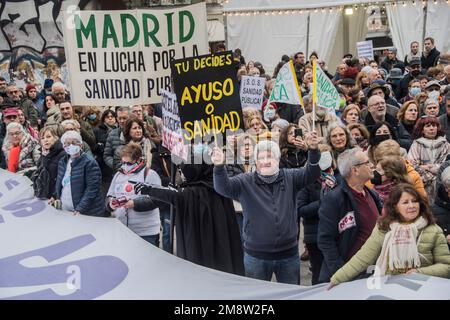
{"x":316,"y":259}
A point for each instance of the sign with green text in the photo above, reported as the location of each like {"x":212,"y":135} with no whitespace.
{"x":123,"y":57}
{"x":208,"y":95}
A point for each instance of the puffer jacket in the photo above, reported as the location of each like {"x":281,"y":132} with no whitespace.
{"x":433,"y":251}
{"x":113,"y":145}
{"x":85,"y":183}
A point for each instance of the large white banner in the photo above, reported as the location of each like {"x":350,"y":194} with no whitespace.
{"x":50,"y":254}
{"x":123,"y":57}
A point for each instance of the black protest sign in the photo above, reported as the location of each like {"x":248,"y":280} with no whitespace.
{"x":208,"y":95}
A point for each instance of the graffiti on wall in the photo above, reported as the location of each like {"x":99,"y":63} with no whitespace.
{"x":31,"y":39}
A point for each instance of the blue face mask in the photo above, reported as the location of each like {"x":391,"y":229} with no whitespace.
{"x":72,"y":149}
{"x":128,"y":167}
{"x":414,"y":91}
{"x":92,"y":117}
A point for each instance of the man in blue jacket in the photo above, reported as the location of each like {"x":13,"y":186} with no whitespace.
{"x":348,"y":214}
{"x":268,"y":199}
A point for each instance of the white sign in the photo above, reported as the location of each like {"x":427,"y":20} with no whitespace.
{"x":325,"y":94}
{"x":286,"y":88}
{"x":123,"y":57}
{"x":59,"y":256}
{"x":365,"y":49}
{"x":171,"y":132}
{"x":252,"y":91}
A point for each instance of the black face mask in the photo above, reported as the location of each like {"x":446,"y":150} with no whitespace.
{"x":376,"y":180}
{"x":359,"y":139}
{"x":380,"y":138}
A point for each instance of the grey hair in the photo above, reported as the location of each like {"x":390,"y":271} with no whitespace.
{"x":58,"y":85}
{"x":267,"y":145}
{"x":280,"y":123}
{"x":307,"y":99}
{"x":430,"y":101}
{"x":13,"y":125}
{"x":347,"y":160}
{"x":71,"y":135}
{"x":337,"y":124}
{"x":123,"y":109}
{"x":445,"y":177}
{"x":70,"y":121}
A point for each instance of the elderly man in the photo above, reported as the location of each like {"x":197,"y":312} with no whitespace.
{"x":15,"y":97}
{"x":377,"y":112}
{"x":67,"y":113}
{"x":268,"y":204}
{"x":347,"y":214}
{"x":59,"y":91}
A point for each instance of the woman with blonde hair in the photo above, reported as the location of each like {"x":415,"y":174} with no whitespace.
{"x":351,"y":114}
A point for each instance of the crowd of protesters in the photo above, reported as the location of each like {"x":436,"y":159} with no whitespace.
{"x":370,"y":181}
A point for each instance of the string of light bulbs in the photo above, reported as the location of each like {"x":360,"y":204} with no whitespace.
{"x":355,"y":7}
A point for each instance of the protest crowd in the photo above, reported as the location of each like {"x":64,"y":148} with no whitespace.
{"x":369,"y":180}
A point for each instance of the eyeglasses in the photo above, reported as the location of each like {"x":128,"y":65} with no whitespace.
{"x":363,"y":163}
{"x":14,"y":91}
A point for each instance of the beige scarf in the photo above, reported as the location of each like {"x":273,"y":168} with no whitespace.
{"x":399,"y":249}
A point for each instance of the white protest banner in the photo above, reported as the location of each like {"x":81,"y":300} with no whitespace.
{"x":123,"y":57}
{"x":59,"y":256}
{"x":252,"y":91}
{"x":365,"y":49}
{"x":286,"y":89}
{"x":171,"y":132}
{"x":325,"y":94}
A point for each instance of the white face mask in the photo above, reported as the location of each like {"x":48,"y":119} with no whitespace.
{"x":72,"y":149}
{"x":325,"y":160}
{"x":269,"y":113}
{"x":128,"y":167}
{"x":434,"y":95}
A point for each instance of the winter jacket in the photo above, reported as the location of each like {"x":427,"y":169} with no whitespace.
{"x":428,"y":151}
{"x":308,"y":203}
{"x":293,"y":158}
{"x":433,"y":251}
{"x":101,"y":135}
{"x":143,"y":219}
{"x":388,"y":64}
{"x":270,"y":215}
{"x":306,"y":124}
{"x":445,"y":125}
{"x":335,"y":245}
{"x":430,"y":60}
{"x":85,"y":183}
{"x":48,"y":163}
{"x":113,"y":145}
{"x":416,"y":180}
{"x":29,"y":154}
{"x":403,"y":136}
{"x":441,"y":207}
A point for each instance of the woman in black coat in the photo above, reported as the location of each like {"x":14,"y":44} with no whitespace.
{"x":44,"y":179}
{"x":108,"y":122}
{"x":293,"y":148}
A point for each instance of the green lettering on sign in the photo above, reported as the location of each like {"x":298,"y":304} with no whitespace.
{"x":170,"y":29}
{"x":181,"y":16}
{"x":123,"y":19}
{"x":109,"y":32}
{"x":86,"y":31}
{"x":152,"y":33}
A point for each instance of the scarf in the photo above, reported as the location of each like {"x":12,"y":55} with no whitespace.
{"x":13,"y":158}
{"x":268,"y":179}
{"x":328,"y":181}
{"x":399,"y":251}
{"x":385,"y":189}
